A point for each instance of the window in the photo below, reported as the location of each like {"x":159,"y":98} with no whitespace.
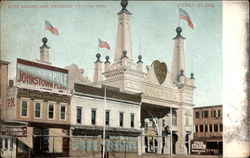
{"x":196,"y":128}
{"x":201,"y":128}
{"x":205,"y":114}
{"x":37,"y":110}
{"x":215,"y":128}
{"x":24,"y":108}
{"x":63,"y":110}
{"x":218,"y":113}
{"x":211,"y":128}
{"x":121,"y":119}
{"x":221,"y":127}
{"x":107,"y":118}
{"x":51,"y":111}
{"x":79,"y":115}
{"x":206,"y":128}
{"x":214,"y":113}
{"x":197,"y":114}
{"x":93,"y":116}
{"x":132,"y":120}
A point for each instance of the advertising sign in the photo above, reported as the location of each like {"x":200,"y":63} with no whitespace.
{"x":40,"y":76}
{"x":198,"y":146}
{"x":15,"y":131}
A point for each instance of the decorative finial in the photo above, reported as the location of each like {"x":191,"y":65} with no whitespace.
{"x":98,"y":56}
{"x":124,"y":54}
{"x":139,"y":59}
{"x":124,"y":4}
{"x":107,"y":59}
{"x":182,"y":73}
{"x":178,"y":31}
{"x":192,"y":76}
{"x":44,"y":40}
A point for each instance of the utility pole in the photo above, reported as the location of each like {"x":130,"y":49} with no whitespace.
{"x":104,"y":123}
{"x":170,"y":132}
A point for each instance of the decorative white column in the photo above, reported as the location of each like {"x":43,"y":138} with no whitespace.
{"x":98,"y":69}
{"x":178,"y":62}
{"x":44,"y":52}
{"x":123,"y":38}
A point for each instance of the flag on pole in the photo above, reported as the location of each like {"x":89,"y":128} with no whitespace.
{"x":51,"y":28}
{"x":185,"y":16}
{"x":103,"y":44}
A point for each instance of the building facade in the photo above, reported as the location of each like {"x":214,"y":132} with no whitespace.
{"x":208,"y":129}
{"x":122,"y":121}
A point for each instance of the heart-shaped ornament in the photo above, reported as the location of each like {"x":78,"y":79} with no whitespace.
{"x":160,"y":69}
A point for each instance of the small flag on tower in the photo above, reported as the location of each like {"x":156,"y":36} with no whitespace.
{"x":185,"y":16}
{"x":103,"y":44}
{"x":51,"y":28}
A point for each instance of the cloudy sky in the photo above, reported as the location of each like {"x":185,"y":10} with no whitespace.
{"x":81,"y":23}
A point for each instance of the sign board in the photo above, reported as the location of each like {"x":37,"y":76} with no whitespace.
{"x":40,"y":76}
{"x":15,"y":131}
{"x":198,"y":146}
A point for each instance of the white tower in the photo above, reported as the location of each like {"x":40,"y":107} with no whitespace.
{"x":123,"y":38}
{"x":178,"y":63}
{"x":44,"y":52}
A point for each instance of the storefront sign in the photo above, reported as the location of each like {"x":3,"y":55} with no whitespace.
{"x":198,"y":146}
{"x":41,"y":76}
{"x":16,"y":131}
{"x":33,"y":94}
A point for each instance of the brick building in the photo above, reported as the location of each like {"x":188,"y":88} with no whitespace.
{"x":209,"y":128}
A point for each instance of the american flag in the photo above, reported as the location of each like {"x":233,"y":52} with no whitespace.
{"x":103,"y":44}
{"x":185,"y":16}
{"x":51,"y":28}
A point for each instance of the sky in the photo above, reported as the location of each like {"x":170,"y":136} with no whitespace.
{"x":81,"y":23}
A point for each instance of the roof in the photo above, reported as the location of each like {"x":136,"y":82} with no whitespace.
{"x":85,"y":89}
{"x":206,"y":107}
{"x":4,"y":62}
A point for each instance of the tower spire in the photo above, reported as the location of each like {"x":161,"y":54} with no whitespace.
{"x":123,"y":37}
{"x":178,"y":63}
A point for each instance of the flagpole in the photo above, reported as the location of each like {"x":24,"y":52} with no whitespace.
{"x":104,"y":123}
{"x":44,"y":30}
{"x":178,"y":16}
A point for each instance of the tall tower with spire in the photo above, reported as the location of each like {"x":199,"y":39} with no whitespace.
{"x":123,"y":38}
{"x":178,"y":63}
{"x":123,"y":72}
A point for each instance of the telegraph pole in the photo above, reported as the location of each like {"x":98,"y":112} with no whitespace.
{"x":104,"y":123}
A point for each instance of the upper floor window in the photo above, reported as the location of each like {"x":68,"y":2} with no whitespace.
{"x":215,"y":128}
{"x":62,"y":112}
{"x":79,"y":115}
{"x":197,"y":114}
{"x":121,"y":119}
{"x":51,"y":111}
{"x":196,"y":128}
{"x":206,"y":128}
{"x":24,"y":111}
{"x":211,"y":128}
{"x":107,"y":118}
{"x":132,"y":120}
{"x":219,"y":113}
{"x":221,"y":128}
{"x":205,"y":114}
{"x":93,"y":116}
{"x":201,"y":128}
{"x":37,"y":110}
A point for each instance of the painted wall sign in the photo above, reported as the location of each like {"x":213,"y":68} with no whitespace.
{"x":33,"y":94}
{"x":41,"y":76}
